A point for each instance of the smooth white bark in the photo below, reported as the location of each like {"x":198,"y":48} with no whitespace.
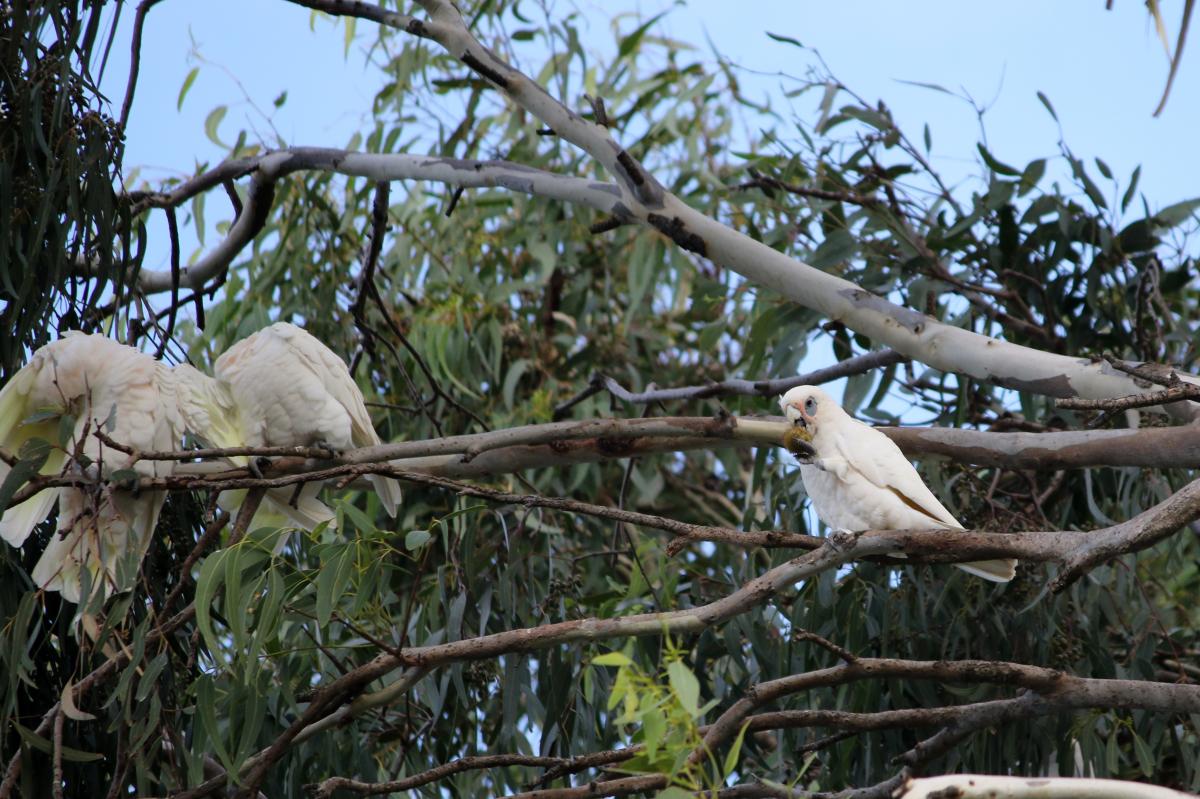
{"x":978,"y":786}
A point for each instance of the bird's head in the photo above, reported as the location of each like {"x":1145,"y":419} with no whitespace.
{"x":806,"y":407}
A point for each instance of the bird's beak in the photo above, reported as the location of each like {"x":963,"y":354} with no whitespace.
{"x":795,"y":414}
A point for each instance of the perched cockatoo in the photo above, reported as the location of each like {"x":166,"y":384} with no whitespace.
{"x":293,"y":391}
{"x":211,"y":415}
{"x":100,"y":383}
{"x":859,"y":479}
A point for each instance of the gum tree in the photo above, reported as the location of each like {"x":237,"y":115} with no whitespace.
{"x":572,"y":303}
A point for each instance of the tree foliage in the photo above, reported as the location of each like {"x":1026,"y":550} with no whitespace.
{"x":487,"y":311}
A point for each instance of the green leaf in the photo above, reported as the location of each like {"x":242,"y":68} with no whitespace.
{"x":359,"y":520}
{"x":66,"y":430}
{"x":685,"y":685}
{"x":654,"y":725}
{"x":1046,"y":102}
{"x":1033,"y":173}
{"x":416,"y":539}
{"x":1129,"y":192}
{"x":206,"y":707}
{"x":146,"y":683}
{"x":1112,"y":755}
{"x":187,"y":84}
{"x":348,"y":33}
{"x":212,"y":576}
{"x":674,"y":792}
{"x":785,"y":39}
{"x":332,"y":581}
{"x":33,"y":455}
{"x":1174,"y":215}
{"x":43,"y":745}
{"x":212,"y":122}
{"x":612,"y":659}
{"x":512,"y":378}
{"x":995,"y":165}
{"x":1145,"y":759}
{"x":919,"y":84}
{"x":731,"y":759}
{"x":44,"y":415}
{"x":124,"y":476}
{"x":630,"y":42}
{"x":837,"y":248}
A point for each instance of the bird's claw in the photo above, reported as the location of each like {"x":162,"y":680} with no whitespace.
{"x":842,"y":539}
{"x":257,"y":465}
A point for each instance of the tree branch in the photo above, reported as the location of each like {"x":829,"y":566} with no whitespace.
{"x":326,"y":788}
{"x":982,"y":786}
{"x":268,"y":168}
{"x":734,"y":387}
{"x":1184,"y":391}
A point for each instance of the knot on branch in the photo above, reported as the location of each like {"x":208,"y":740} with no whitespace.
{"x":674,"y":229}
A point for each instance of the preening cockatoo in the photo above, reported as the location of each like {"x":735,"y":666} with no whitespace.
{"x":860,"y":480}
{"x":96,"y":380}
{"x":210,"y":413}
{"x":291,"y":390}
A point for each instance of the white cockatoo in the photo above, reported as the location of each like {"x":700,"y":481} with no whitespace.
{"x":210,"y":414}
{"x":105,"y":386}
{"x":858,"y":479}
{"x":293,"y":391}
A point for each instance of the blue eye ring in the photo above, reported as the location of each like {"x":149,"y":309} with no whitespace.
{"x":810,"y":406}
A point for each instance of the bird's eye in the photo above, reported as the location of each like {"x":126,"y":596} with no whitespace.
{"x":810,"y":406}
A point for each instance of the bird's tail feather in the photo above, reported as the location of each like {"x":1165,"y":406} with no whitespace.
{"x":307,"y":512}
{"x":998,"y":571}
{"x":388,"y":491}
{"x":277,"y":508}
{"x":18,"y":521}
{"x":101,"y":547}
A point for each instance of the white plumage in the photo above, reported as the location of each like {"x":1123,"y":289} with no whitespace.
{"x":860,"y":480}
{"x":210,"y":413}
{"x":94,"y":379}
{"x":292,"y":390}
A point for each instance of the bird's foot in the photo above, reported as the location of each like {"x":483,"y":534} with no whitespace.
{"x":332,"y":452}
{"x":842,"y":539}
{"x":258,"y":464}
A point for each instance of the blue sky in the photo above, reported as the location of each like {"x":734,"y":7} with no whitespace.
{"x":1102,"y":70}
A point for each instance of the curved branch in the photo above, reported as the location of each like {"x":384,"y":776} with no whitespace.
{"x":269,"y":167}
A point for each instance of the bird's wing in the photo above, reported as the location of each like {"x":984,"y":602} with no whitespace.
{"x":877,"y":458}
{"x":17,"y":522}
{"x":335,"y":375}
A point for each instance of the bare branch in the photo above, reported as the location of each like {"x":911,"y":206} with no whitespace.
{"x":326,"y":788}
{"x":735,"y":387}
{"x":1183,"y":391}
{"x":135,"y":58}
